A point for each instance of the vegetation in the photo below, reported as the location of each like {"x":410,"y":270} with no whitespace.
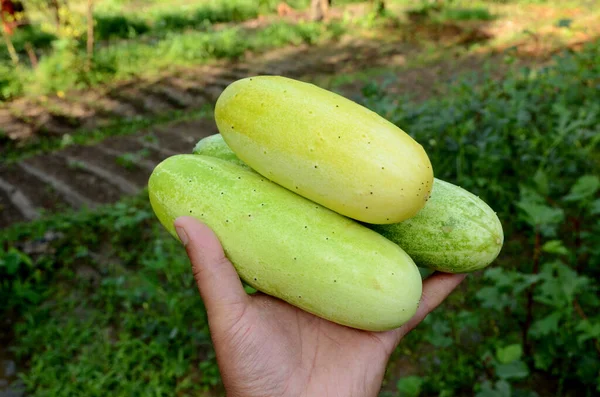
{"x":104,"y":301}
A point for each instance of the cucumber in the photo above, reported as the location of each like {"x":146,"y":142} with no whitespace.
{"x":289,"y":247}
{"x":215,"y":146}
{"x":325,"y":148}
{"x":456,"y":232}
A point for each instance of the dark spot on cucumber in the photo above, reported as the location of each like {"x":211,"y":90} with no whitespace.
{"x":306,"y":227}
{"x":250,"y":79}
{"x":222,"y":193}
{"x":190,"y":181}
{"x":337,"y":106}
{"x":296,"y":187}
{"x":366,"y":208}
{"x":392,"y":274}
{"x":339,"y":137}
{"x":249,"y":215}
{"x":335,"y":281}
{"x":254,"y":278}
{"x":254,"y":190}
{"x":316,"y":166}
{"x":262,"y":204}
{"x":190,"y":211}
{"x":226,"y":220}
{"x":211,"y":168}
{"x":371,"y":192}
{"x":264,"y":152}
{"x":295,"y":258}
{"x":300,"y":296}
{"x":326,"y":238}
{"x":368,"y":143}
{"x":239,"y":177}
{"x":232,"y":127}
{"x":387,"y":219}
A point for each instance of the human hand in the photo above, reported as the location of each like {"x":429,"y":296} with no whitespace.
{"x":266,"y":347}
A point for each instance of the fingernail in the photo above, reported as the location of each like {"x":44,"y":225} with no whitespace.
{"x":182,"y":235}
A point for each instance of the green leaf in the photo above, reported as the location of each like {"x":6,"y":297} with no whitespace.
{"x":513,"y":370}
{"x":555,"y":247}
{"x":438,"y":334}
{"x":410,"y":386}
{"x":588,"y":330}
{"x":500,"y":389}
{"x":585,"y":187}
{"x":541,"y":181}
{"x":538,"y":214}
{"x":595,"y":207}
{"x":546,"y":325}
{"x":509,"y":353}
{"x":564,"y":23}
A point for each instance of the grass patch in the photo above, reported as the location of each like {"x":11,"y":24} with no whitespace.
{"x":129,"y":59}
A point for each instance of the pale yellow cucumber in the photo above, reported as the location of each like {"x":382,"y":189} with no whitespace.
{"x":326,"y":148}
{"x":455,"y":232}
{"x":289,"y":247}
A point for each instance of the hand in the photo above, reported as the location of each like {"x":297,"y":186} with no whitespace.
{"x":266,"y":347}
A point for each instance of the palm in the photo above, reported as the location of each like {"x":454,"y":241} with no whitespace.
{"x":266,"y":347}
{"x":307,"y":355}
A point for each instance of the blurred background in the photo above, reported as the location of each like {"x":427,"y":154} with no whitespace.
{"x":96,"y":299}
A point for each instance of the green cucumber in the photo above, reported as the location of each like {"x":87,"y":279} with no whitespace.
{"x":215,"y":146}
{"x":288,"y":246}
{"x":326,"y":148}
{"x":455,"y":232}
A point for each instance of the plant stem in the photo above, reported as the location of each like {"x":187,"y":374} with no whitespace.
{"x":11,"y":48}
{"x":90,"y":35}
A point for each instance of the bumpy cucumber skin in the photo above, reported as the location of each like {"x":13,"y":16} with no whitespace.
{"x":289,"y":247}
{"x":456,"y":232}
{"x":326,"y":148}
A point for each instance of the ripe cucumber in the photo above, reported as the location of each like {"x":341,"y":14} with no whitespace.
{"x":289,"y":247}
{"x":326,"y":148}
{"x":456,"y":232}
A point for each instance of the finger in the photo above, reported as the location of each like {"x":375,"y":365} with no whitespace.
{"x":218,"y":282}
{"x":436,"y":289}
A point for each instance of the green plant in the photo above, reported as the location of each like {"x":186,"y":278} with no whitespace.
{"x":523,"y":145}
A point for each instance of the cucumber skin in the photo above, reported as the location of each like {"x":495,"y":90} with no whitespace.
{"x":215,"y":146}
{"x":456,"y":232}
{"x":324,"y":147}
{"x":289,"y":247}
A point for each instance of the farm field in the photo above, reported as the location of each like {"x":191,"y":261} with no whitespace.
{"x":97,"y":298}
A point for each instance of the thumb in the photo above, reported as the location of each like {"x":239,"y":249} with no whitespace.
{"x":219,"y":284}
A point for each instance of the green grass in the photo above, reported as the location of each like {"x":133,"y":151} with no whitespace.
{"x":129,"y":59}
{"x":528,"y":145}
